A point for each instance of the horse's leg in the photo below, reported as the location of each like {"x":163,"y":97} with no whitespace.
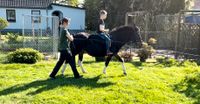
{"x":80,"y":62}
{"x":107,"y":63}
{"x":122,"y":61}
{"x":64,"y":68}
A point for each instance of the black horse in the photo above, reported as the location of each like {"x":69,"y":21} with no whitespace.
{"x":94,"y":45}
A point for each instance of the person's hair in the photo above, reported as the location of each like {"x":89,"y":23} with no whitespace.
{"x":103,"y":12}
{"x":66,"y":20}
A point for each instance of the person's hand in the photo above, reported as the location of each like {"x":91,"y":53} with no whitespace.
{"x":106,"y":30}
{"x":70,"y":37}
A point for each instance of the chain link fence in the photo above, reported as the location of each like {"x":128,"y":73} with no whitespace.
{"x":179,"y":33}
{"x":41,"y":33}
{"x":38,"y":32}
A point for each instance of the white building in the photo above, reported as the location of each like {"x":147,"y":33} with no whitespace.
{"x":14,"y":10}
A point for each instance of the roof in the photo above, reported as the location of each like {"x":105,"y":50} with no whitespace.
{"x":25,"y":3}
{"x":33,"y":4}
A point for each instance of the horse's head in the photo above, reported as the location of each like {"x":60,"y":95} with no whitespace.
{"x":127,"y":34}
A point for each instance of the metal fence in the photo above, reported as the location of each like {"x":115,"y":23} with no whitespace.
{"x":179,"y":33}
{"x":41,"y":33}
{"x":38,"y":32}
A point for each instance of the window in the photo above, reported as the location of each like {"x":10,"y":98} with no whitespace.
{"x":11,"y":15}
{"x":36,"y":16}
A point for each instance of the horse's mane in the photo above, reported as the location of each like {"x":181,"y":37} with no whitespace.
{"x":121,"y":28}
{"x":84,"y":34}
{"x":113,"y":31}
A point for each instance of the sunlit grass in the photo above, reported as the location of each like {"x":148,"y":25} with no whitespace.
{"x":146,"y":83}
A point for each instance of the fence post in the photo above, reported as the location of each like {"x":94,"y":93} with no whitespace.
{"x":126,"y":19}
{"x":146,"y":27}
{"x":178,"y":34}
{"x":55,"y":36}
{"x":23,"y":27}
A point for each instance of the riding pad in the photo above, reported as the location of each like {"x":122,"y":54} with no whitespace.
{"x":97,"y":45}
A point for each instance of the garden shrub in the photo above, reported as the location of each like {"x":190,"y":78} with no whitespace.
{"x":190,"y":86}
{"x":152,"y":41}
{"x":145,"y":52}
{"x":13,"y":38}
{"x":25,"y":55}
{"x":168,"y":62}
{"x":3,"y":23}
{"x":127,"y":56}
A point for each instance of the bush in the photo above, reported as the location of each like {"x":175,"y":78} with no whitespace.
{"x":152,"y":41}
{"x":168,"y":62}
{"x":13,"y":38}
{"x":25,"y":55}
{"x":190,"y":86}
{"x":127,"y":56}
{"x":3,"y":23}
{"x":145,"y":52}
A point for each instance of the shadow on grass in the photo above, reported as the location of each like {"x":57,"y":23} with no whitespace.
{"x":190,"y":86}
{"x":136,"y":63}
{"x":45,"y":85}
{"x":90,"y":62}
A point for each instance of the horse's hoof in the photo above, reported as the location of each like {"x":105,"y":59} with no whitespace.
{"x":104,"y":72}
{"x":125,"y":74}
{"x":84,"y":72}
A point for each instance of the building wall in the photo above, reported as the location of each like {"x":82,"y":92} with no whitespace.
{"x":19,"y":17}
{"x":77,"y":16}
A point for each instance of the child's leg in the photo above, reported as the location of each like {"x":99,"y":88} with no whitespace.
{"x":72,"y":63}
{"x":59,"y":63}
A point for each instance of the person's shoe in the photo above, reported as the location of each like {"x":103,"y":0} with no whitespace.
{"x":79,"y":77}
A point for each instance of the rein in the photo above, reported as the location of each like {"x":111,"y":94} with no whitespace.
{"x":102,"y":42}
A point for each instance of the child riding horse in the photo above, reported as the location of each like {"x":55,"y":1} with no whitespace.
{"x":102,"y":31}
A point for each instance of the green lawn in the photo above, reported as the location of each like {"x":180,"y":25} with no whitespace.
{"x":148,"y":83}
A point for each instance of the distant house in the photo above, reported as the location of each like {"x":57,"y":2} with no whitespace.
{"x":14,"y":10}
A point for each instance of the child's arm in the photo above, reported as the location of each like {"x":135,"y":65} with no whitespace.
{"x":69,"y":36}
{"x":102,"y":28}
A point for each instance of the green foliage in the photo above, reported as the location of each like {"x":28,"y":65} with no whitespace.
{"x":152,"y":41}
{"x":13,"y":38}
{"x":190,"y":86}
{"x":12,"y":42}
{"x":73,"y":2}
{"x":3,"y":23}
{"x":145,"y":52}
{"x":69,"y":2}
{"x":168,"y":62}
{"x":25,"y":55}
{"x":118,"y":8}
{"x":127,"y":56}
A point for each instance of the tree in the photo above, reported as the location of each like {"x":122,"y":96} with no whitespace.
{"x":92,"y":13}
{"x":118,"y":8}
{"x":3,"y":25}
{"x":73,"y":2}
{"x":69,"y":2}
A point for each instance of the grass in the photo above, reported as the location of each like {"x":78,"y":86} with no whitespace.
{"x":146,"y":83}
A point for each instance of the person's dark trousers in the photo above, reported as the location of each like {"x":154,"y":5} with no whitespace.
{"x":65,"y":56}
